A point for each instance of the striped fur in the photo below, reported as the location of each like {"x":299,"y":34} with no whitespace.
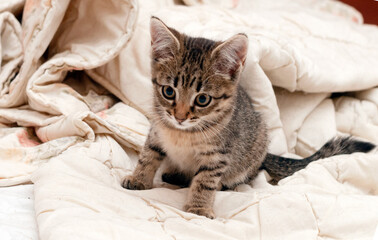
{"x":220,"y":145}
{"x":280,"y":167}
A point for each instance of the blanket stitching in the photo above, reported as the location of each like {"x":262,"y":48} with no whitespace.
{"x":313,"y":213}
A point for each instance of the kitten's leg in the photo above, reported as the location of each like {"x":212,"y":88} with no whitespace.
{"x":149,"y":161}
{"x":174,"y":176}
{"x":204,"y":186}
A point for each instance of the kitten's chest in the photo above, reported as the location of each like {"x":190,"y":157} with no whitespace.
{"x":181,"y":150}
{"x":181,"y":157}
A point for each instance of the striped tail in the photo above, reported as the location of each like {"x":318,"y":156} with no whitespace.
{"x":280,"y":167}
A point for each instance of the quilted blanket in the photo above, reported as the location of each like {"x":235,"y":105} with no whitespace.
{"x":75,"y":97}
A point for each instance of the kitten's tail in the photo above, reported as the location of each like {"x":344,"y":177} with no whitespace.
{"x":280,"y":167}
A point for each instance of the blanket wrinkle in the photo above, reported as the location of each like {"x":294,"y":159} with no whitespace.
{"x":156,"y":209}
{"x":113,"y":88}
{"x":357,"y":115}
{"x":243,"y":209}
{"x":77,"y":202}
{"x":313,"y":212}
{"x":307,"y":144}
{"x":259,"y":222}
{"x":354,"y":120}
{"x":337,"y":169}
{"x":167,"y":232}
{"x":108,"y":162}
{"x":46,"y":211}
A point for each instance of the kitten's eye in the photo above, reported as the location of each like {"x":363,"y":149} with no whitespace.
{"x":168,"y":92}
{"x":202,"y":100}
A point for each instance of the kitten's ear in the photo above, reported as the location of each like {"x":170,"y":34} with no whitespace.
{"x":164,"y":43}
{"x":230,"y":55}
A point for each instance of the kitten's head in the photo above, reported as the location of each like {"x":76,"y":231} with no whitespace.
{"x":195,"y":79}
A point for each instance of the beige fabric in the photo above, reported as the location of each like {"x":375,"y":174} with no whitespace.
{"x":13,"y":6}
{"x":37,"y":15}
{"x":60,"y":115}
{"x":75,"y":141}
{"x":331,"y":199}
{"x":10,"y":49}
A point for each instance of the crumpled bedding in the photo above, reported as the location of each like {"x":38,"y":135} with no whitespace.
{"x":75,"y":96}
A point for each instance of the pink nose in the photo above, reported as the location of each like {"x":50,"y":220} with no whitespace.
{"x":181,"y":112}
{"x":179,"y":120}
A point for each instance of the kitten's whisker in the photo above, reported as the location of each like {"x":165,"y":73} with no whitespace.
{"x":224,"y":127}
{"x":210,"y":131}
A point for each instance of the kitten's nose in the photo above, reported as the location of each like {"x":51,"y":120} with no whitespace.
{"x":180,"y":120}
{"x":181,"y":112}
{"x":181,"y":116}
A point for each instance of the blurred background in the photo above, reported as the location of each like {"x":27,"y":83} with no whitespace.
{"x":368,"y":8}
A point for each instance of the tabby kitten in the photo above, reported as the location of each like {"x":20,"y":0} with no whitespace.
{"x":204,"y":125}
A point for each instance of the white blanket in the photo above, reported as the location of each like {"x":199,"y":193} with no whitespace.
{"x":17,"y":215}
{"x":75,"y":142}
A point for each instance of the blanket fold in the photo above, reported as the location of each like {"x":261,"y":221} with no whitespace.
{"x":13,"y":6}
{"x":56,"y":111}
{"x":11,"y":50}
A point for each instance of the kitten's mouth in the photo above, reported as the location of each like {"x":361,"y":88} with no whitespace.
{"x":181,"y":126}
{"x":184,"y":125}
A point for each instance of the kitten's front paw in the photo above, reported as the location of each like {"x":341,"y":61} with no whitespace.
{"x":207,"y":212}
{"x":132,"y":183}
